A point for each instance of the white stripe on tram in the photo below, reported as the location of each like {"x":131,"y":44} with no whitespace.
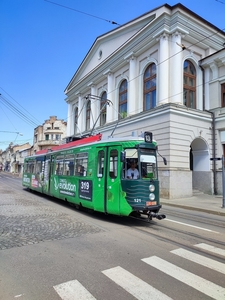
{"x":204,"y":286}
{"x":73,"y":290}
{"x":201,"y":260}
{"x":134,"y":285}
{"x":211,"y":248}
{"x":193,"y":226}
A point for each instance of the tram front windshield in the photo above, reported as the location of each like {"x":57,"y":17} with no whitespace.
{"x":145,"y":164}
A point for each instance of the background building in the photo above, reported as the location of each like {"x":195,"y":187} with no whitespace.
{"x":11,"y":159}
{"x":51,"y":133}
{"x":162,"y":72}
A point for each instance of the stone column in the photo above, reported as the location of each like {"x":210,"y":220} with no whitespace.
{"x":93,"y":115}
{"x":207,"y":76}
{"x":81,"y":125}
{"x":110,"y":96}
{"x":163,"y":70}
{"x":176,"y":69}
{"x":132,"y":88}
{"x":215,"y":70}
{"x":69,"y":130}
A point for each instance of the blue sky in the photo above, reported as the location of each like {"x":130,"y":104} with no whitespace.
{"x":42,"y":45}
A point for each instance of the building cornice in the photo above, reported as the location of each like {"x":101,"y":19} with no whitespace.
{"x":165,"y":109}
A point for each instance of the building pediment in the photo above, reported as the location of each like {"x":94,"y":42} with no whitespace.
{"x":152,"y":25}
{"x":105,"y":45}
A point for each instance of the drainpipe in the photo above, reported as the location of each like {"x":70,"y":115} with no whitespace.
{"x":213,"y":133}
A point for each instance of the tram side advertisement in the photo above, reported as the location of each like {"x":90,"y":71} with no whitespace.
{"x":26,"y":180}
{"x":65,"y":187}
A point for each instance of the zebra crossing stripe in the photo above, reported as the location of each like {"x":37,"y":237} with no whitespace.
{"x":134,"y":285}
{"x":73,"y":290}
{"x":206,"y":287}
{"x":211,"y":248}
{"x":201,"y":260}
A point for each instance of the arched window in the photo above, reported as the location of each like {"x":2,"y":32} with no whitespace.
{"x":123,"y":99}
{"x":76,"y":120}
{"x":103,"y":109}
{"x":88,"y":114}
{"x":189,"y":89}
{"x":149,"y":87}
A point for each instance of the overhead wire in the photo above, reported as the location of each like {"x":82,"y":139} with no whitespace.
{"x":24,"y":116}
{"x":8,"y":117}
{"x":205,"y":37}
{"x":16,"y":111}
{"x":33,"y":123}
{"x":183,"y":48}
{"x":220,"y":1}
{"x":81,"y":12}
{"x":24,"y":109}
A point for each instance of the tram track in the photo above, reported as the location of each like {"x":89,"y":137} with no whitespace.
{"x":181,"y":238}
{"x":196,"y":218}
{"x":160,"y":229}
{"x":181,"y":242}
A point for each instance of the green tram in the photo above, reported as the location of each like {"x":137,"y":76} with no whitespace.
{"x":93,"y":173}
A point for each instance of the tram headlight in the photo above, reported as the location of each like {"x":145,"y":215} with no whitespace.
{"x":152,"y":196}
{"x":151,"y":188}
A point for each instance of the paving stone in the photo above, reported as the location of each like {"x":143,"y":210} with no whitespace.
{"x":25,"y":219}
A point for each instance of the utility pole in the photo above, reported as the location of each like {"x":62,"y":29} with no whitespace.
{"x":223,"y":183}
{"x":223,"y":177}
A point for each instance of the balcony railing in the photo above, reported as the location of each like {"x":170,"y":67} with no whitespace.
{"x":49,"y":142}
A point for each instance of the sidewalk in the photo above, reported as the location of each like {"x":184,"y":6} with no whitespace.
{"x":200,"y":202}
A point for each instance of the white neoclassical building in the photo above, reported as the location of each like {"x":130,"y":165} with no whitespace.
{"x":162,"y":72}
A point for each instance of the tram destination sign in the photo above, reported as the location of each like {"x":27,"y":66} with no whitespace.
{"x":85,"y":189}
{"x":148,"y":137}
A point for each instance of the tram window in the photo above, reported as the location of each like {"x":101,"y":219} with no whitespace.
{"x":113,"y":166}
{"x":30,"y":166}
{"x":131,"y":157}
{"x":59,"y":165}
{"x":81,"y":164}
{"x":131,"y":153}
{"x":25,"y":167}
{"x":38,"y":167}
{"x":52,"y":166}
{"x":148,"y":166}
{"x":46,"y":167}
{"x":69,"y":165}
{"x":100,"y":168}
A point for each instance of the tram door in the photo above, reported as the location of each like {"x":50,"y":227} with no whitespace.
{"x":109,"y":179}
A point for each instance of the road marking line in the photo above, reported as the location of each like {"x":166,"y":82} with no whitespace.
{"x":206,"y":287}
{"x":211,"y":248}
{"x":190,"y":225}
{"x":134,"y":285}
{"x":199,"y":259}
{"x":73,"y":290}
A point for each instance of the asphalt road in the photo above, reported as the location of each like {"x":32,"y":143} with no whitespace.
{"x":50,"y":250}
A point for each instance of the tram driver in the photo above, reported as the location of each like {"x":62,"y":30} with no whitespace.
{"x":132,"y":172}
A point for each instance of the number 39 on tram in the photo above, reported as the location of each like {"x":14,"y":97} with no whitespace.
{"x":115,"y":176}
